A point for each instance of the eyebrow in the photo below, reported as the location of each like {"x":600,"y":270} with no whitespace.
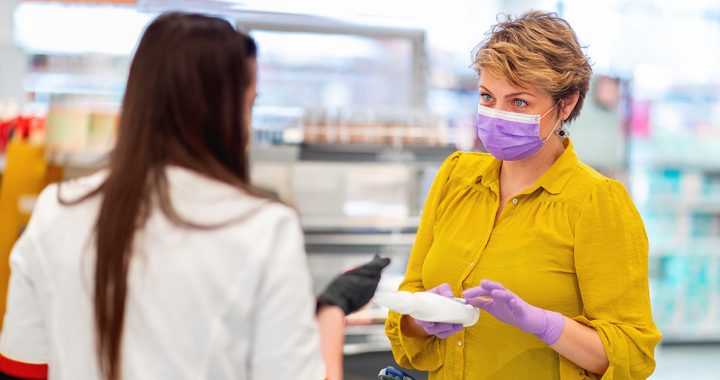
{"x":514,"y":94}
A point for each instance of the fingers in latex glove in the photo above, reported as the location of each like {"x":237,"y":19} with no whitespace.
{"x":440,"y":329}
{"x":507,"y":307}
{"x":443,"y":289}
{"x":354,"y":288}
{"x":483,"y":290}
{"x":492,"y":285}
{"x":498,"y":301}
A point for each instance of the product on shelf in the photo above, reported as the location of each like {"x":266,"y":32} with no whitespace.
{"x":357,"y":127}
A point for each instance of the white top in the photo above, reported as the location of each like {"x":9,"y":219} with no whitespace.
{"x":228,"y":303}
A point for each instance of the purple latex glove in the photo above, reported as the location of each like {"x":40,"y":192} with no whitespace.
{"x":507,"y":307}
{"x":441,"y":330}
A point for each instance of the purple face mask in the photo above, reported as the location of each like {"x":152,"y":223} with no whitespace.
{"x":510,"y":136}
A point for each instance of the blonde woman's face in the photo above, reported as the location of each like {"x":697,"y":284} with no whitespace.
{"x":498,"y":93}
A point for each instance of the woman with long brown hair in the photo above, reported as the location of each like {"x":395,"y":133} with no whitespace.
{"x":168,"y":265}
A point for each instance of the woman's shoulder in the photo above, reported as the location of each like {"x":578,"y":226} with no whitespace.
{"x":465,"y":164}
{"x":79,"y":186}
{"x":205,"y":200}
{"x":588,"y":176}
{"x":62,"y":210}
{"x":587,"y":184}
{"x":59,"y":195}
{"x":277,"y":214}
{"x":468,"y":157}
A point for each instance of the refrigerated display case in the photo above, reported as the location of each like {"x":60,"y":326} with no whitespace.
{"x":353,"y":202}
{"x":343,"y":134}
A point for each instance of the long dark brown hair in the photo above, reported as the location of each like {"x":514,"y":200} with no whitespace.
{"x":183,"y":105}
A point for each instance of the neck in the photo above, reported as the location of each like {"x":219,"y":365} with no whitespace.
{"x":518,"y":175}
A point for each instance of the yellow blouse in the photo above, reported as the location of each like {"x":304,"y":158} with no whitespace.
{"x":573,"y":243}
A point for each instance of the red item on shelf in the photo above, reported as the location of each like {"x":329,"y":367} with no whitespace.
{"x":22,"y":125}
{"x":6,"y":128}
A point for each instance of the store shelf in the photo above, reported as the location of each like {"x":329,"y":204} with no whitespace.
{"x":660,"y":254}
{"x":690,"y":336}
{"x":329,"y":224}
{"x":681,"y":203}
{"x":78,"y":84}
{"x":81,"y":159}
{"x":698,"y":246}
{"x":366,"y":347}
{"x":680,"y":163}
{"x":365,"y":153}
{"x":365,"y":329}
{"x":274,"y":153}
{"x":360,"y":339}
{"x":360,"y":239}
{"x":374,"y":153}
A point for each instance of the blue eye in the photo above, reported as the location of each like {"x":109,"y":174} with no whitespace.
{"x":486,"y":98}
{"x":519,"y":103}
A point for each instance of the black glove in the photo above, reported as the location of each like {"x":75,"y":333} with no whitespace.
{"x":353,"y":289}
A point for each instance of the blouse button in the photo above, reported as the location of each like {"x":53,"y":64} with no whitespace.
{"x":515,"y":201}
{"x":459,"y":342}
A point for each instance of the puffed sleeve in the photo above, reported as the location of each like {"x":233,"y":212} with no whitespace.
{"x":420,"y":353}
{"x":611,"y":262}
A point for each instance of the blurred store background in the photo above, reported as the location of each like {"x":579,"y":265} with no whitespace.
{"x":359,"y":103}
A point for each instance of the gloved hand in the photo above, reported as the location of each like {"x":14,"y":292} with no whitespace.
{"x":441,"y":330}
{"x":354,"y":288}
{"x":507,"y":307}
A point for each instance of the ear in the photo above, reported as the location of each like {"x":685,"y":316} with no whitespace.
{"x":567,"y":105}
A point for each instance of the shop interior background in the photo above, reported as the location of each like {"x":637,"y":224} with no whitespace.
{"x":361,"y":100}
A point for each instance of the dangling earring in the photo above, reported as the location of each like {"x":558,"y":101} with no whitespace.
{"x":562,"y":132}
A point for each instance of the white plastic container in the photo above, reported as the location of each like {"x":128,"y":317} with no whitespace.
{"x":429,"y":307}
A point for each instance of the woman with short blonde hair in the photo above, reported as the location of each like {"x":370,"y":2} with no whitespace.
{"x":552,"y":252}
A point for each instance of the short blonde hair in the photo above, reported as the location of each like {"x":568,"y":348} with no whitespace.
{"x":540,"y":49}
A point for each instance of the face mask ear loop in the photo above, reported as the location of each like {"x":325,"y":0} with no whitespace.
{"x":560,"y":122}
{"x":553,"y":131}
{"x":551,"y":108}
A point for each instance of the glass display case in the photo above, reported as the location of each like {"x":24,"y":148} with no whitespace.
{"x":343,"y":134}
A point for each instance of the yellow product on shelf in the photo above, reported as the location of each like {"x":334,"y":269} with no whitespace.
{"x":26,"y":174}
{"x":67,"y":128}
{"x":101,"y":130}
